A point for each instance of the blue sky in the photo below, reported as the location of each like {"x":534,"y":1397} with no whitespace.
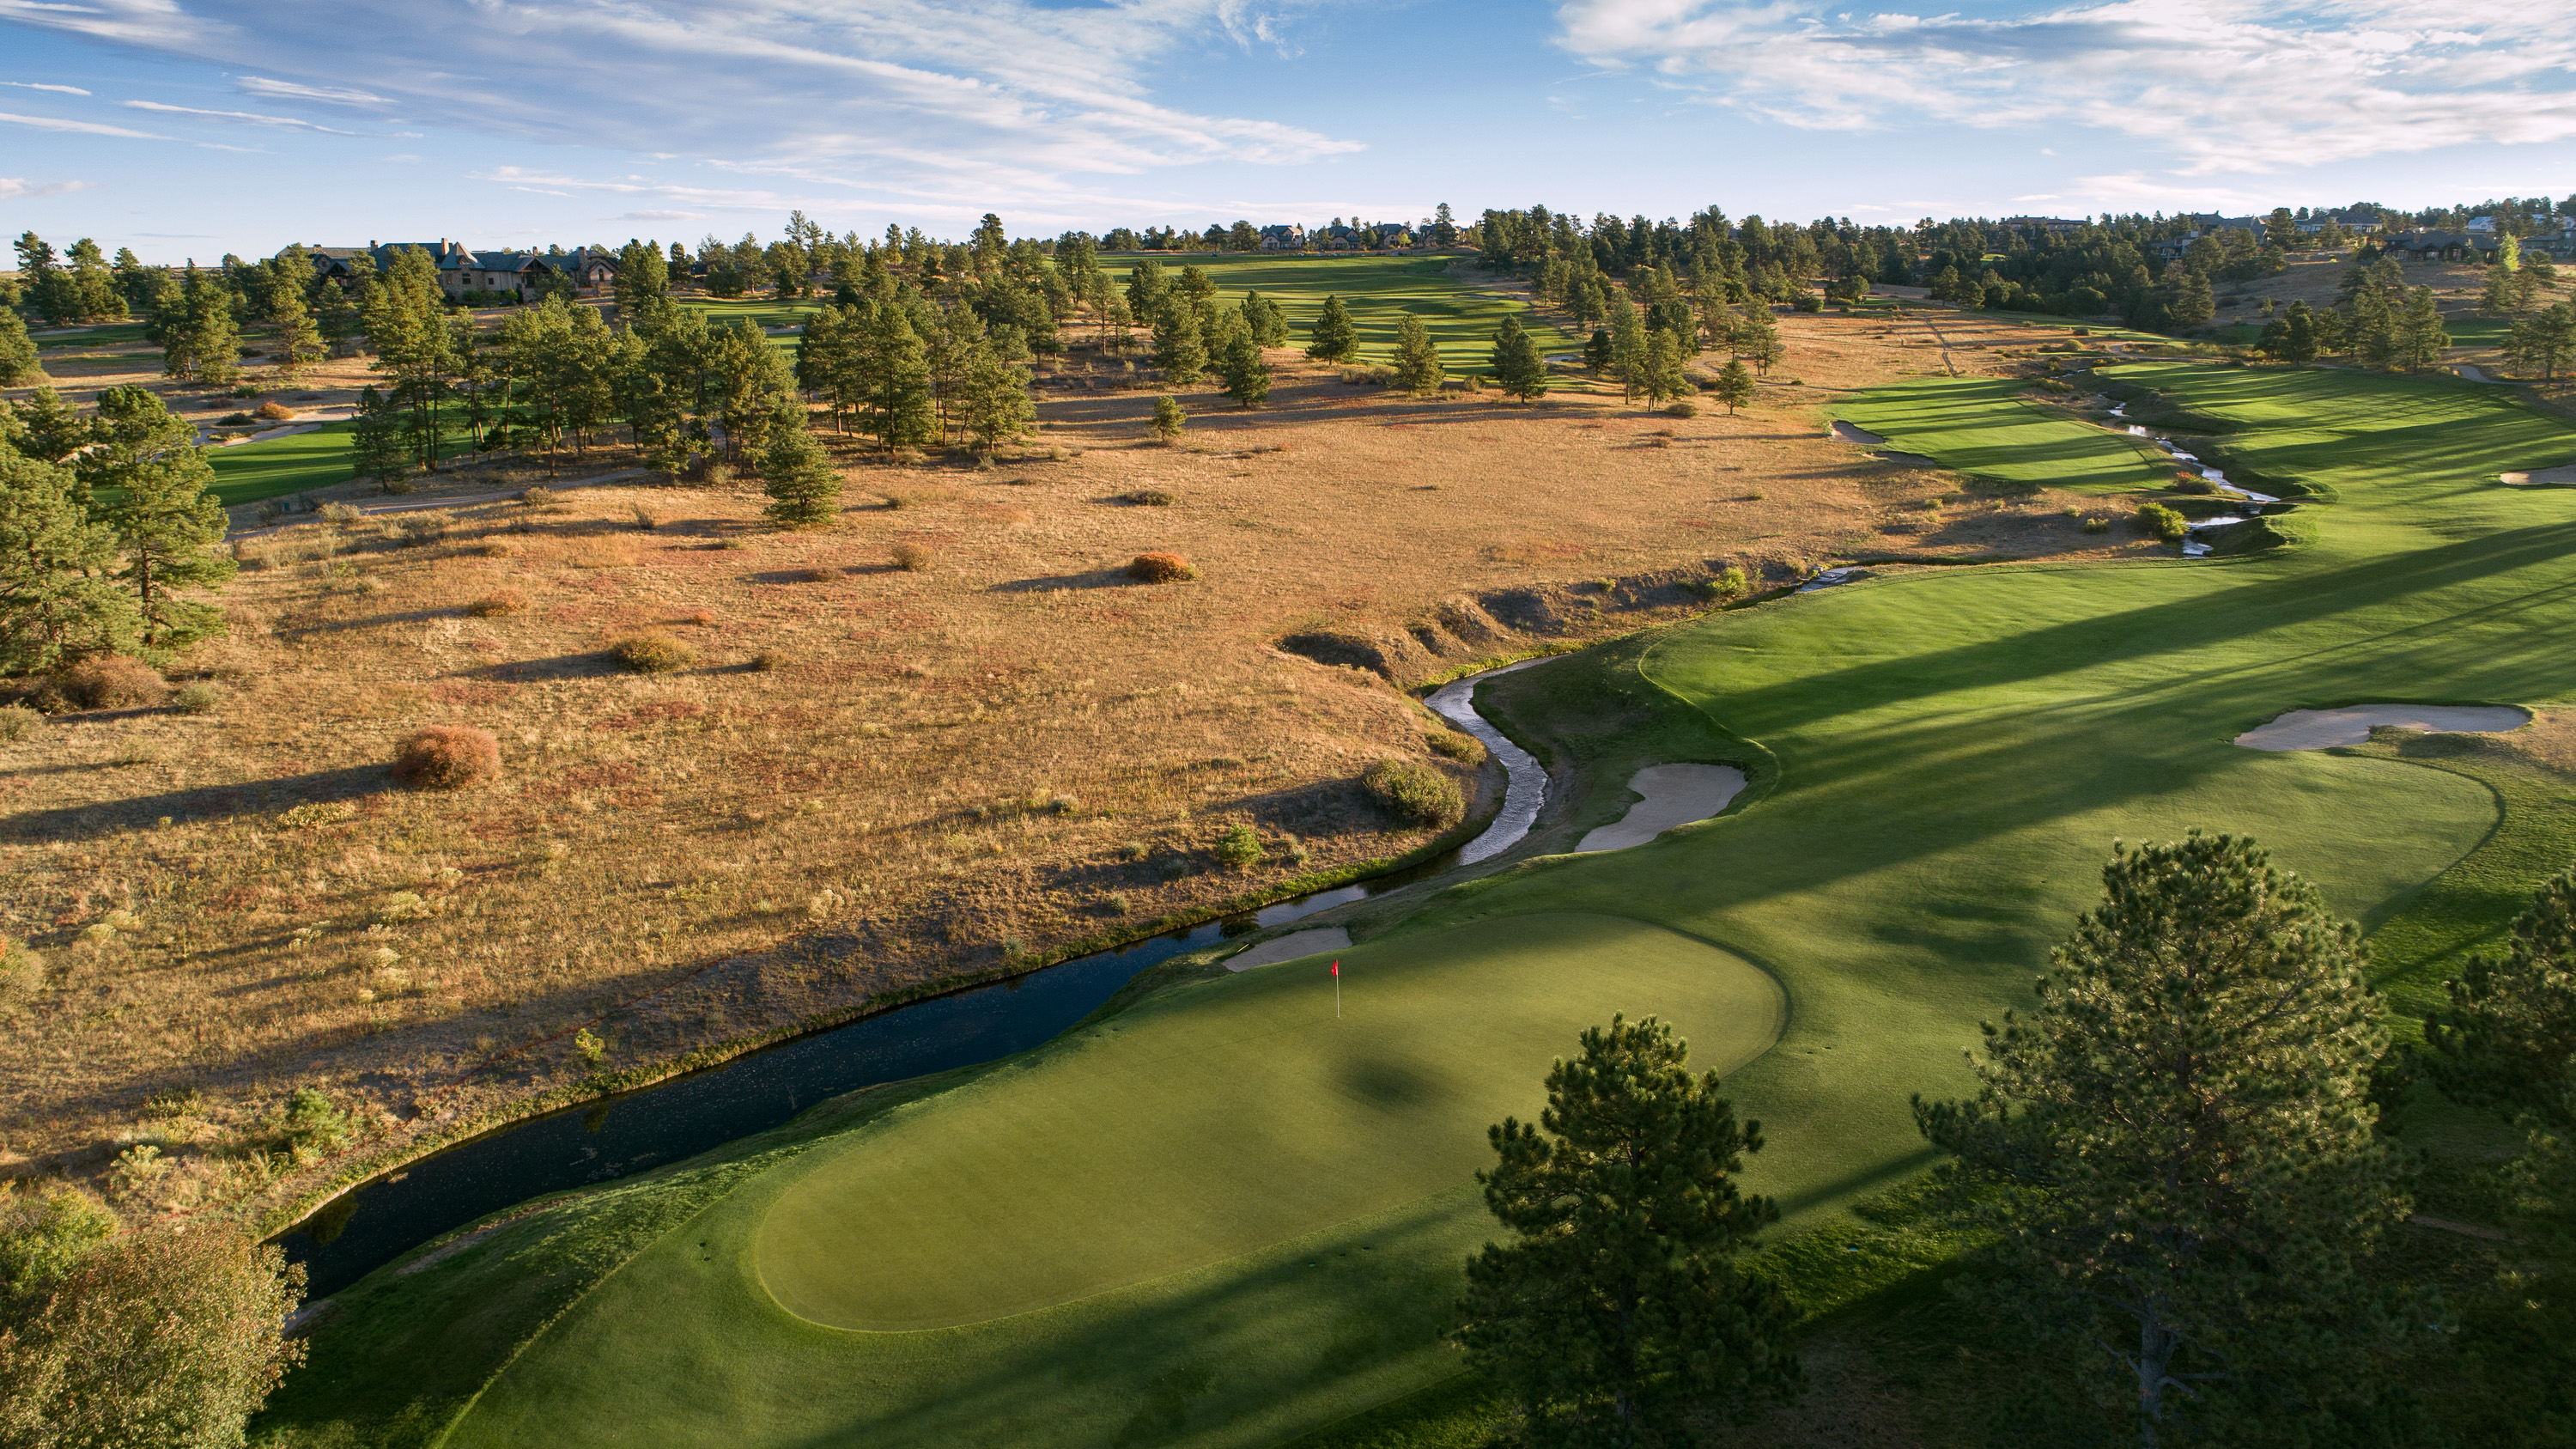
{"x":196,"y":127}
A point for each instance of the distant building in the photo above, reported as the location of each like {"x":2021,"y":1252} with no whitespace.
{"x":2443,"y":246}
{"x":461,"y":271}
{"x":2359,"y":223}
{"x":2053,"y":225}
{"x":1289,"y":238}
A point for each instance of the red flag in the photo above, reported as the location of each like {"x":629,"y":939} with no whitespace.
{"x":1337,"y":968}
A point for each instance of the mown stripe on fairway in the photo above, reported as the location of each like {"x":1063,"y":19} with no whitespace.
{"x":1981,"y":427}
{"x":1233,"y":1115}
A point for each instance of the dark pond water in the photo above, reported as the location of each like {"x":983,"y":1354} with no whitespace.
{"x":677,"y":1119}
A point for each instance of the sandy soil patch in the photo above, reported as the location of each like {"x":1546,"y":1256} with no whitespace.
{"x":2319,"y":729}
{"x":2543,"y":476}
{"x":1291,"y":946}
{"x":1674,"y":795}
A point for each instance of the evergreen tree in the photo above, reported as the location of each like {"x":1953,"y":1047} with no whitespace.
{"x":1418,"y":369}
{"x":2298,"y":335}
{"x":1268,"y":325}
{"x":2509,"y":1037}
{"x":899,"y":411}
{"x":57,"y":601}
{"x":2176,"y":1148}
{"x":94,"y":289}
{"x":163,"y":510}
{"x":1627,"y":344}
{"x":1169,"y":420}
{"x":1596,"y":352}
{"x":1664,"y":377}
{"x":376,"y":446}
{"x":2420,"y":334}
{"x":1616,"y":1315}
{"x":406,"y":320}
{"x":747,"y":379}
{"x":2541,"y":342}
{"x":1333,"y":338}
{"x":297,"y":340}
{"x":20,"y":366}
{"x":1757,"y":338}
{"x":2191,"y":304}
{"x":203,"y":345}
{"x":994,"y":400}
{"x":1178,"y":347}
{"x":138,"y":284}
{"x":1247,"y":376}
{"x":44,"y":426}
{"x":803,"y":490}
{"x":643,"y":283}
{"x":1734,"y":385}
{"x":49,"y":287}
{"x":1517,"y":366}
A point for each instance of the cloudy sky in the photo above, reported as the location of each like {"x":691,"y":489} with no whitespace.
{"x":195,"y":127}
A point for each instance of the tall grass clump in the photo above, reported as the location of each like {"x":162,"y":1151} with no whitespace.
{"x":1415,"y":792}
{"x":498,"y":603}
{"x":110,"y":681}
{"x":652,"y":652}
{"x":1160,"y":568}
{"x":17,"y":722}
{"x":447,"y":757}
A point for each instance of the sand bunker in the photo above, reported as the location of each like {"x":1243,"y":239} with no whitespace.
{"x":1850,"y":434}
{"x":2320,"y":729}
{"x":2542,"y":476}
{"x":1290,"y":947}
{"x":1675,"y":795}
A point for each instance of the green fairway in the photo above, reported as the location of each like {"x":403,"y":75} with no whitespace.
{"x":1223,"y":1217}
{"x":249,"y":472}
{"x":1981,"y":427}
{"x":1222,"y":1119}
{"x":1380,"y":291}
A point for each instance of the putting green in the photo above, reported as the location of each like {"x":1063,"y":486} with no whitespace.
{"x":1229,"y":1117}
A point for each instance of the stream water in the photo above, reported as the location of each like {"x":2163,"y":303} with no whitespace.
{"x":672,"y":1120}
{"x":2196,"y":547}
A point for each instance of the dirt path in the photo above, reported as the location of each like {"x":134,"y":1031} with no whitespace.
{"x":462,"y":500}
{"x":1946,"y":360}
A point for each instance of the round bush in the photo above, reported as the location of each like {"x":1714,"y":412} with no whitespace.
{"x":1682,"y":410}
{"x":1416,"y":792}
{"x":912,"y":558}
{"x":1160,"y":568}
{"x":447,"y":757}
{"x":497,"y":603}
{"x":652,"y":653}
{"x":110,"y":681}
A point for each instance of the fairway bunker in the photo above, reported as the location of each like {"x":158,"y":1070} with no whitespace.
{"x":1674,"y":795}
{"x":1291,"y":946}
{"x":2541,"y":477}
{"x":2323,"y":729}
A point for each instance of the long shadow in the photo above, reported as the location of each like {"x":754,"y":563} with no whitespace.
{"x":204,"y":802}
{"x":1050,"y":583}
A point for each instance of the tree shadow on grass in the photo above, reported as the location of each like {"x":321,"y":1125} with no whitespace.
{"x":560,"y":666}
{"x":203,"y":802}
{"x":1050,"y":583}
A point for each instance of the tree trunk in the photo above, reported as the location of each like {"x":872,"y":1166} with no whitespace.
{"x":2155,"y":1357}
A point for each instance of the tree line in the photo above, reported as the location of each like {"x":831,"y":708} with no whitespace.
{"x":2174,"y":1174}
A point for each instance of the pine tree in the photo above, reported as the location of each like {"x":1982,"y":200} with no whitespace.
{"x":1247,"y":376}
{"x":2420,"y":336}
{"x":1418,"y":369}
{"x":2299,"y":335}
{"x":2176,"y":1148}
{"x":899,"y":413}
{"x":2192,"y":305}
{"x":1333,"y":338}
{"x":1664,"y":377}
{"x":2505,"y":293}
{"x":407,"y":323}
{"x":643,"y":283}
{"x":57,"y":601}
{"x":202,"y":345}
{"x":803,"y":490}
{"x":163,"y":510}
{"x":20,"y":366}
{"x":1596,"y":352}
{"x":1757,"y":338}
{"x":2509,"y":1037}
{"x":46,"y":427}
{"x":747,"y":378}
{"x":1517,"y":366}
{"x":1616,"y":1315}
{"x":1268,"y":325}
{"x":376,"y":446}
{"x":994,"y":398}
{"x":2541,"y":342}
{"x":1169,"y":420}
{"x":297,"y":340}
{"x":1734,"y":385}
{"x":1179,"y":349}
{"x":94,"y":289}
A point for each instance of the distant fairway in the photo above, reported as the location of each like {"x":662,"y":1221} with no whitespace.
{"x":1215,"y":1219}
{"x":249,"y":472}
{"x":1229,"y":1117}
{"x":1980,"y":426}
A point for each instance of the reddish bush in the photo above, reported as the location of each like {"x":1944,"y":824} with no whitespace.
{"x":448,"y":757}
{"x":276,"y":412}
{"x":497,"y":603}
{"x":110,"y":681}
{"x":1160,"y":568}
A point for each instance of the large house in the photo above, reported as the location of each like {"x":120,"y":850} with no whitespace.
{"x":461,"y":271}
{"x":2053,"y":225}
{"x":2359,"y":223}
{"x":1289,"y":238}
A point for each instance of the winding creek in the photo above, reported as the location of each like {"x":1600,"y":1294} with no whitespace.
{"x":672,"y":1120}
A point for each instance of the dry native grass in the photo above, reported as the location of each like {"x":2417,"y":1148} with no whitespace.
{"x":886,"y":777}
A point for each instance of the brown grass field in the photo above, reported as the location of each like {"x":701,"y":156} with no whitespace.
{"x":867,"y":776}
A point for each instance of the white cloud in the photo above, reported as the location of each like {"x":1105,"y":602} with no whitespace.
{"x":2225,"y":85}
{"x":83,"y":128}
{"x":250,"y":118}
{"x":659,"y":216}
{"x":981,"y":94}
{"x":13,"y":188}
{"x":41,"y":86}
{"x":298,"y":91}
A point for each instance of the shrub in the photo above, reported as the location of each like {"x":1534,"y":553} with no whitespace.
{"x":17,"y":722}
{"x":275,"y":412}
{"x":411,"y":530}
{"x":1683,"y":409}
{"x":339,"y":515}
{"x":2193,"y":483}
{"x":818,"y":576}
{"x":1239,"y":847}
{"x":2159,"y":522}
{"x":768,"y":661}
{"x":652,"y":652}
{"x":233,"y":420}
{"x":646,"y":519}
{"x":537,"y":497}
{"x":1148,"y":498}
{"x":912,"y":558}
{"x":1160,"y":568}
{"x":1115,"y":904}
{"x":396,"y":486}
{"x":1416,"y":792}
{"x":447,"y":757}
{"x":498,"y":603}
{"x":1456,"y":745}
{"x":1723,"y":586}
{"x":110,"y":681}
{"x":201,"y":697}
{"x":2097,"y":525}
{"x":1169,"y":420}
